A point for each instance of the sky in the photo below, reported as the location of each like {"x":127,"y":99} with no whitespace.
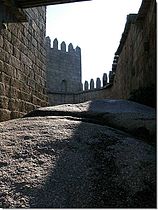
{"x":95,"y":26}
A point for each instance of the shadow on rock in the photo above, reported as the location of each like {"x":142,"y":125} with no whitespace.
{"x":65,"y":162}
{"x":99,"y":167}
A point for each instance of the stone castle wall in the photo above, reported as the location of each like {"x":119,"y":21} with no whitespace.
{"x":135,"y":75}
{"x":56,"y":98}
{"x":91,"y":91}
{"x":63,"y":68}
{"x":82,"y":96}
{"x":64,"y":76}
{"x":22,"y":61}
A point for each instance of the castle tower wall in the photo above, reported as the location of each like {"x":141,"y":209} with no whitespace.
{"x":63,"y":68}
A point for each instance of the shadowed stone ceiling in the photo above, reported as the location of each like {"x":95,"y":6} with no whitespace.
{"x":36,"y":3}
{"x":16,"y":7}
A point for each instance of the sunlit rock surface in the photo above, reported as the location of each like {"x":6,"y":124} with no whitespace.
{"x":74,"y":160}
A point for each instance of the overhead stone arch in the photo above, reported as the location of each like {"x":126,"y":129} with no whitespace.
{"x":36,"y":3}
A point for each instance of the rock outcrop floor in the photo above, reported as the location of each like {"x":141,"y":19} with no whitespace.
{"x":89,"y":155}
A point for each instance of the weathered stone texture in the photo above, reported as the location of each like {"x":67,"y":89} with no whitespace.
{"x":22,"y":63}
{"x":136,"y":66}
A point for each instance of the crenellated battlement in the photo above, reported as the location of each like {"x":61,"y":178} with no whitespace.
{"x":106,"y":80}
{"x":63,"y":48}
{"x":69,"y":49}
{"x":95,"y":85}
{"x":63,"y":67}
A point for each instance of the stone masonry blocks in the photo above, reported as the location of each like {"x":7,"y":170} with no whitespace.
{"x":22,"y":64}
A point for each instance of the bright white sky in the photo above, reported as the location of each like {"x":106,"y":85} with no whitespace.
{"x":95,"y":26}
